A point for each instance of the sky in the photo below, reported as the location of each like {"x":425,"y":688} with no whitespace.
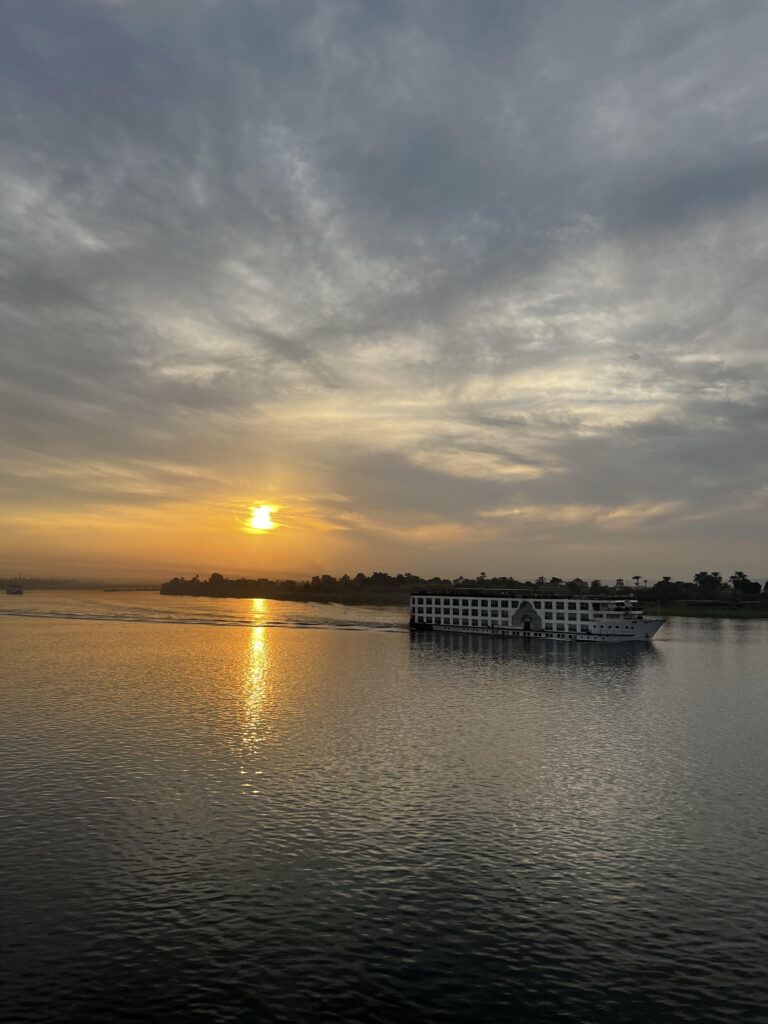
{"x":453,"y":287}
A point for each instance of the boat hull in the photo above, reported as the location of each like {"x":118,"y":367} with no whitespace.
{"x":649,"y":630}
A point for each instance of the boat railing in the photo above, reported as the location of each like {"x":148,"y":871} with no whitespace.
{"x":557,"y":595}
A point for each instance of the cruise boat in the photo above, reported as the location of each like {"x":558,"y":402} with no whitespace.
{"x":527,"y":614}
{"x":14,"y":588}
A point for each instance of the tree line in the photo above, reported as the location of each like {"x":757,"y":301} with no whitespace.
{"x":705,"y":586}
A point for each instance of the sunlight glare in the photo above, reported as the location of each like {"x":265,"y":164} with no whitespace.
{"x":261,"y":517}
{"x":256,"y":700}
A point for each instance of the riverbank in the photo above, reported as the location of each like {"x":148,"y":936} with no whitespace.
{"x":690,"y":611}
{"x":376,"y":599}
{"x":248,"y":591}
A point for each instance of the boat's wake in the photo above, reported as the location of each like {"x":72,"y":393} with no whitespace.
{"x":241,"y":622}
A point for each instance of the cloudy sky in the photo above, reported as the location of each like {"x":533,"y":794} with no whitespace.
{"x":453,"y":285}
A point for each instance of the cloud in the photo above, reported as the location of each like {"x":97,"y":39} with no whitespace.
{"x":439,"y":260}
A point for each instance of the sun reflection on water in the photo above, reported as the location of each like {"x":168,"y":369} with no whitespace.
{"x":256,"y":693}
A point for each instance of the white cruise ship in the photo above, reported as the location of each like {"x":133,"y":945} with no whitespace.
{"x":518,"y":613}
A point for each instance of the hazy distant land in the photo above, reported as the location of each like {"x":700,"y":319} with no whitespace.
{"x":54,"y":583}
{"x":708,"y":594}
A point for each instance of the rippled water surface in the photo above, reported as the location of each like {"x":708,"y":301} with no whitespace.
{"x":217,"y":810}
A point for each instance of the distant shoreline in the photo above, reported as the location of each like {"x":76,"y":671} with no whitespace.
{"x":396,"y":599}
{"x":402,"y":599}
{"x":692,"y":612}
{"x":132,"y":590}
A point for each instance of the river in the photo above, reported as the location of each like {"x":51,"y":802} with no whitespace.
{"x":222,"y":810}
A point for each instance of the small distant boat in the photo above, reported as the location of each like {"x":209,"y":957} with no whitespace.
{"x":14,"y":588}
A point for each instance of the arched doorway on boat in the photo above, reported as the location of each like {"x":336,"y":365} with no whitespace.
{"x":526,"y":618}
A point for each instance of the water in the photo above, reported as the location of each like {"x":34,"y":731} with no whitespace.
{"x":218,"y":810}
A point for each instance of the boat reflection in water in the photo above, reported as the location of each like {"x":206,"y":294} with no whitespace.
{"x":506,"y":649}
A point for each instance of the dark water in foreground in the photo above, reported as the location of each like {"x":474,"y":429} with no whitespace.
{"x":249,"y":811}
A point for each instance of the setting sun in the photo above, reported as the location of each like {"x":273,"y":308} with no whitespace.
{"x":261,"y":517}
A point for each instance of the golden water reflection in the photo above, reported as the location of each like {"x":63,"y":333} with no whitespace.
{"x":256,"y":694}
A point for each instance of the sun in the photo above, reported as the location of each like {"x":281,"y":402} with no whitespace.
{"x":261,"y":517}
